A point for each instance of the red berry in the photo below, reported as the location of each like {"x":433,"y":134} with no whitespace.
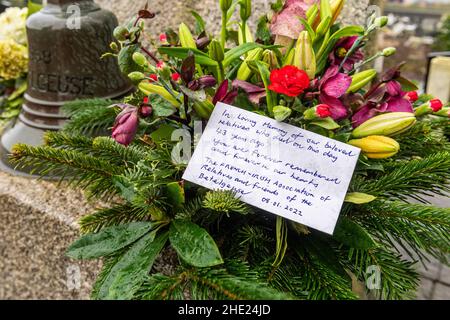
{"x":153,"y":77}
{"x":145,"y":100}
{"x":163,"y":37}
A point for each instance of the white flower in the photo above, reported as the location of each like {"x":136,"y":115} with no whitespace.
{"x":12,"y":25}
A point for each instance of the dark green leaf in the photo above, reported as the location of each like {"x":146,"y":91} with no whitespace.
{"x":353,"y":235}
{"x":164,"y":133}
{"x":263,"y":32}
{"x":194,"y":244}
{"x":126,"y":62}
{"x":407,"y":85}
{"x":175,"y":194}
{"x":107,"y":241}
{"x":161,"y":107}
{"x":237,"y":52}
{"x":183,"y":53}
{"x":128,"y":274}
{"x":200,"y":25}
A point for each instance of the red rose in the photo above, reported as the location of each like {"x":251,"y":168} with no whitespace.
{"x":436,"y":105}
{"x":323,"y":111}
{"x":412,"y":96}
{"x":289,"y":80}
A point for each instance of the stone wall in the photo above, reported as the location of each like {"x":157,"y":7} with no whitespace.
{"x":170,"y":13}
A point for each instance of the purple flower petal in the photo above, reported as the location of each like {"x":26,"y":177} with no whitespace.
{"x":221,"y":92}
{"x":255,"y":93}
{"x":338,"y":110}
{"x":365,"y":113}
{"x":337,"y":86}
{"x":393,"y":88}
{"x":399,"y":105}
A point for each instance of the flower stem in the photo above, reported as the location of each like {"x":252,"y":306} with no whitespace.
{"x":224,"y":30}
{"x":151,"y":55}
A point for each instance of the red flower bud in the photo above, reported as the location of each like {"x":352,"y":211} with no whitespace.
{"x":412,"y":96}
{"x":289,"y":80}
{"x":323,"y":111}
{"x":145,"y":111}
{"x":176,"y":77}
{"x":436,"y":105}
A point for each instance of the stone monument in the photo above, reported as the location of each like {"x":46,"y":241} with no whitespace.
{"x":66,"y":40}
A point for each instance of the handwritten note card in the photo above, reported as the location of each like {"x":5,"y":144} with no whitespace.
{"x":279,"y":168}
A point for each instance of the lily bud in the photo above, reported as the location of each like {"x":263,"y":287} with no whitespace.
{"x":244,"y":71}
{"x":225,"y":5}
{"x":271,"y":59}
{"x":289,"y":60}
{"x":304,"y":57}
{"x":126,"y":126}
{"x":140,"y":59}
{"x":216,"y":51}
{"x":336,"y":9}
{"x":148,"y":88}
{"x":186,"y":38}
{"x":325,"y":18}
{"x":121,"y":33}
{"x":388,"y":124}
{"x":204,"y":109}
{"x":377,"y":147}
{"x":136,"y":76}
{"x":245,"y":9}
{"x":361,"y":79}
{"x":445,"y":112}
{"x":281,"y":113}
{"x":381,"y":22}
{"x":389,"y":51}
{"x":311,"y":14}
{"x":429,"y":107}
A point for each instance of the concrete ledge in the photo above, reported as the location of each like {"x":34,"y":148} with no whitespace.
{"x":38,"y":223}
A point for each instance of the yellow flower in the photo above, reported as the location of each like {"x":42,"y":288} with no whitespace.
{"x":13,"y":59}
{"x":12,"y":25}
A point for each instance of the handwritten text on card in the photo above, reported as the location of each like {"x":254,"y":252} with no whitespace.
{"x":279,"y":168}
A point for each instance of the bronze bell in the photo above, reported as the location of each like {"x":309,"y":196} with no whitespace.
{"x":66,"y":40}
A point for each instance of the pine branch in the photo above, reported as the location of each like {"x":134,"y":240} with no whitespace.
{"x":107,"y":147}
{"x":410,"y":179}
{"x":416,"y":228}
{"x":205,"y":284}
{"x":89,"y":116}
{"x":320,"y":282}
{"x":399,"y":280}
{"x":426,"y":138}
{"x":87,"y":172}
{"x":119,"y":214}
